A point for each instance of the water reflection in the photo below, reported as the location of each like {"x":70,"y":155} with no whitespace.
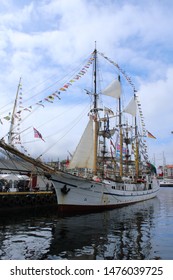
{"x":138,"y":231}
{"x":28,"y":239}
{"x":123,"y":233}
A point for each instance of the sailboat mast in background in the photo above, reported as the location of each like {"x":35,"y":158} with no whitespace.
{"x":14,"y":135}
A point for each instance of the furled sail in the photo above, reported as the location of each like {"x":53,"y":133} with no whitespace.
{"x":84,"y":154}
{"x":113,"y":89}
{"x":108,"y":134}
{"x":131,"y":108}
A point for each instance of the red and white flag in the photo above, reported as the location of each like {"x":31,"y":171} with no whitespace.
{"x":37,"y":134}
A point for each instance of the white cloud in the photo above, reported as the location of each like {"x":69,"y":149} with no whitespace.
{"x":44,"y":40}
{"x":157,"y":98}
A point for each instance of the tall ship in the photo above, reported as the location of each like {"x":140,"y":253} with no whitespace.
{"x":110,"y":165}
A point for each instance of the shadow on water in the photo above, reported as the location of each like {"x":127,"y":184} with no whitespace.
{"x":124,"y":233}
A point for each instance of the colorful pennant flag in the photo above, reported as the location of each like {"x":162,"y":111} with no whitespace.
{"x":50,"y":98}
{"x":7,"y":118}
{"x":121,"y":70}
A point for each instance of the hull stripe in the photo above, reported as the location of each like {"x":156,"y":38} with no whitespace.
{"x":115,"y":194}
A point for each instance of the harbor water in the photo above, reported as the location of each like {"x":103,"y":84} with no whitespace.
{"x":140,"y":231}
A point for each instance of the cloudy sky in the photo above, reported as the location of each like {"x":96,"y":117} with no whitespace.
{"x":47,"y":42}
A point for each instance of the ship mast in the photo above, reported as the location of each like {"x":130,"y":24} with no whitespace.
{"x":137,"y":146}
{"x":127,"y":142}
{"x":95,"y":113}
{"x":121,"y":136}
{"x":11,"y":137}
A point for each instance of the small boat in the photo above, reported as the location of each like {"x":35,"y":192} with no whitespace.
{"x":166,"y":182}
{"x":164,"y":174}
{"x":110,"y":166}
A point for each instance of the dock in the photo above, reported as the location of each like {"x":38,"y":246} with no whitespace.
{"x":27,"y":200}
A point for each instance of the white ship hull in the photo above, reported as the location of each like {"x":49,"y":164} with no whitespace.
{"x":75,"y":193}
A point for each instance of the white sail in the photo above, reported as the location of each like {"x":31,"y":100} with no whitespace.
{"x":131,"y":108}
{"x":84,"y":154}
{"x":113,"y":90}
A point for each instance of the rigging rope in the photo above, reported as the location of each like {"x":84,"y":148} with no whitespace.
{"x":78,"y":119}
{"x":144,"y":131}
{"x":50,"y":98}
